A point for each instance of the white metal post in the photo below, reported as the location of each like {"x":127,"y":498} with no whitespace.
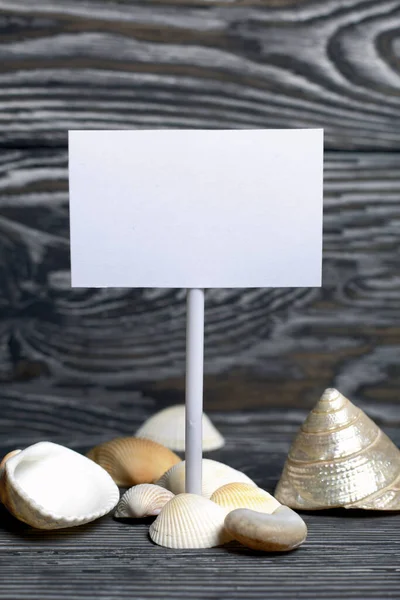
{"x":194,"y":389}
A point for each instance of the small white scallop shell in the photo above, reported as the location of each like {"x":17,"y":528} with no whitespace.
{"x":49,"y":486}
{"x":190,"y":521}
{"x":167,"y":427}
{"x":244,"y":495}
{"x":214,"y":475}
{"x":143,"y":500}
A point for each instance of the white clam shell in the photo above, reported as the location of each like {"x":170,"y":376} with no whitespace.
{"x":167,"y":427}
{"x":49,"y":486}
{"x":214,"y":475}
{"x":244,"y":495}
{"x":144,"y":500}
{"x":190,"y":521}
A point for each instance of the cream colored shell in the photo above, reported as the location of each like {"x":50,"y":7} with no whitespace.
{"x":282,"y":531}
{"x":144,"y":500}
{"x":6,"y":457}
{"x":167,"y":427}
{"x":244,"y":495}
{"x":340,"y":457}
{"x":51,"y":487}
{"x":214,"y":475}
{"x":190,"y":521}
{"x":131,"y":460}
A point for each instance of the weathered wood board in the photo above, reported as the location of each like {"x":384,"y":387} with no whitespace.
{"x":200,"y":63}
{"x":263,"y":346}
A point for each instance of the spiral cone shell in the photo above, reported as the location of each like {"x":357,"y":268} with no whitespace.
{"x":244,"y":495}
{"x":144,"y":500}
{"x":131,"y":460}
{"x":214,"y":475}
{"x":190,"y":521}
{"x":167,"y":427}
{"x":340,"y":457}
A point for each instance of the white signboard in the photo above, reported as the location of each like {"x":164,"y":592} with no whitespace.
{"x":196,"y":208}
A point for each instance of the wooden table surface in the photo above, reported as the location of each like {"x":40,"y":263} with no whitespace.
{"x":348,"y":554}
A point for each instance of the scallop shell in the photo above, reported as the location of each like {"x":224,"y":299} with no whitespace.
{"x":50,"y":487}
{"x":340,"y":458}
{"x":282,"y":531}
{"x":215,"y":474}
{"x":144,"y":500}
{"x":167,"y":427}
{"x":190,"y":521}
{"x":131,"y":460}
{"x":244,"y":495}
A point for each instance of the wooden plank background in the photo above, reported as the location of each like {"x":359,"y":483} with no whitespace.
{"x":201,"y":63}
{"x":229,"y":64}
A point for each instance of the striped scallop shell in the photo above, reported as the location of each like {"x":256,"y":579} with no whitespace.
{"x":214,"y":475}
{"x":190,"y":521}
{"x":244,"y":495}
{"x":144,"y":500}
{"x":167,"y":427}
{"x":131,"y":460}
{"x":340,"y":457}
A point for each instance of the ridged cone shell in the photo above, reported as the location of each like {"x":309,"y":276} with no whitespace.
{"x":167,"y":427}
{"x":143,"y":500}
{"x":282,"y":531}
{"x":244,"y":495}
{"x":131,"y":460}
{"x":49,"y":486}
{"x":190,"y":521}
{"x":214,"y":475}
{"x":340,"y":458}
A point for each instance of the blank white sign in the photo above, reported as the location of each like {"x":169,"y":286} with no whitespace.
{"x":196,"y":208}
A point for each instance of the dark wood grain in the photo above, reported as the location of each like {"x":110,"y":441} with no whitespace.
{"x":81,"y":366}
{"x":200,"y":64}
{"x":348,"y":554}
{"x":263,"y":346}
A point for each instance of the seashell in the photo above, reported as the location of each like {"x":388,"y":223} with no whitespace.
{"x":50,"y":487}
{"x":244,"y":495}
{"x":167,"y":427}
{"x":190,"y":521}
{"x":131,"y":460}
{"x":144,"y":500}
{"x":6,"y":457}
{"x":340,"y":457}
{"x":282,"y":531}
{"x":214,"y":475}
{"x":2,"y":467}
